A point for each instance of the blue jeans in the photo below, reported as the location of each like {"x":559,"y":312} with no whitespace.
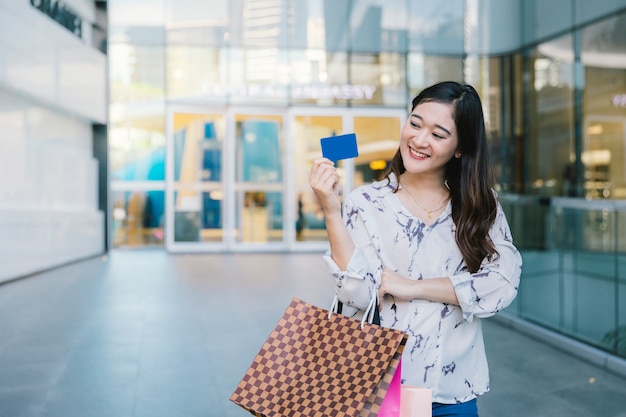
{"x":468,"y":409}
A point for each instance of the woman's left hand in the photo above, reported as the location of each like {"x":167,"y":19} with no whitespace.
{"x":439,"y":290}
{"x":396,"y":285}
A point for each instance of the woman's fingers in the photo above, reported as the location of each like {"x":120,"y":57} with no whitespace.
{"x":324,"y":177}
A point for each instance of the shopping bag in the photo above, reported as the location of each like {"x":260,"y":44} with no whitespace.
{"x":392,"y":401}
{"x":416,"y":402}
{"x":316,"y":364}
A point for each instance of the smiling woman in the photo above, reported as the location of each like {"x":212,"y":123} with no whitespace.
{"x":431,"y":242}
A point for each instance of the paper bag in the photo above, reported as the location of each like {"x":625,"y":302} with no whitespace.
{"x":317,"y":365}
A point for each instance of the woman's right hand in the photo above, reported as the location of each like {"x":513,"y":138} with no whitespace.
{"x":324,"y":181}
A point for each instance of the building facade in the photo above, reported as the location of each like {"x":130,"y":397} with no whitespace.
{"x":53,"y":116}
{"x":217,"y":109}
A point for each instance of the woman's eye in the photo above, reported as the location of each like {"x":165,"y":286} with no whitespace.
{"x":415,"y":125}
{"x":437,"y":136}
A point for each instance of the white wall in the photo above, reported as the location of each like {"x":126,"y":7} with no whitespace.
{"x":41,"y":59}
{"x":52,"y":88}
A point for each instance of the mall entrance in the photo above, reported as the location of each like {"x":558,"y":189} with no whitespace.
{"x":238,"y":179}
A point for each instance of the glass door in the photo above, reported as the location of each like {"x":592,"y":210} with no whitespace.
{"x":238,"y":179}
{"x":194,"y":179}
{"x":259,"y":193}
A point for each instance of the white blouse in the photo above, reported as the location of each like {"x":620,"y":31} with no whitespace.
{"x":445,"y":350}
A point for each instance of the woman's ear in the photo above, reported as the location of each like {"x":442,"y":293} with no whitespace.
{"x":458,"y":154}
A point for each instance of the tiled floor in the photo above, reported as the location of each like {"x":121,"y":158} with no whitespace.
{"x":147,"y":334}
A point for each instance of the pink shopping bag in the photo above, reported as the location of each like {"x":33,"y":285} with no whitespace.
{"x":390,"y":406}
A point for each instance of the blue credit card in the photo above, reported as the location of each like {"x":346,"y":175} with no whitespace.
{"x":339,"y":147}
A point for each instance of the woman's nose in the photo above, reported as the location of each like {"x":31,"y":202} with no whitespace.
{"x":420,"y":138}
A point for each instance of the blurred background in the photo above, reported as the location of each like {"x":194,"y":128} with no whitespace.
{"x":190,"y":126}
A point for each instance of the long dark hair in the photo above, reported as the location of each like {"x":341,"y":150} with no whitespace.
{"x":468,"y":177}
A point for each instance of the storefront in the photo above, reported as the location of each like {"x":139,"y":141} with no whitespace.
{"x":238,"y":178}
{"x":217,"y":110}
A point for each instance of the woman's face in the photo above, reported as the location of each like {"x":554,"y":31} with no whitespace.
{"x":428,"y":139}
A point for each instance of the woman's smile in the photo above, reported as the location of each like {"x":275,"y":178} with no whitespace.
{"x":417,"y":154}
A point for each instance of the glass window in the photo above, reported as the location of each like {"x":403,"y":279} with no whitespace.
{"x":381,"y":77}
{"x":546,"y":18}
{"x":196,"y":71}
{"x":259,"y":148}
{"x":136,"y":62}
{"x":137,"y":88}
{"x":137,"y":218}
{"x":198,"y":145}
{"x":378,"y":25}
{"x":550,"y":151}
{"x":334,"y":29}
{"x":496,"y":99}
{"x":257,"y":76}
{"x":425,"y":70}
{"x":604,"y":130}
{"x":436,"y":27}
{"x":321,"y":77}
{"x":137,"y":143}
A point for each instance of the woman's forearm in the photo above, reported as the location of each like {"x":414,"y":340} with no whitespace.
{"x":341,"y":244}
{"x":434,"y":289}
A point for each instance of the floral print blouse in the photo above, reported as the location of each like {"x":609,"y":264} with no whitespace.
{"x":445,"y":350}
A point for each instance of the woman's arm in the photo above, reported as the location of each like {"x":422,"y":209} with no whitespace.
{"x":482,"y":294}
{"x":434,"y":289}
{"x":325,"y":183}
{"x":494,"y":286}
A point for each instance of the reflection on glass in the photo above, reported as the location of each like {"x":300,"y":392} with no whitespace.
{"x":602,"y":158}
{"x":259,"y":148}
{"x":196,"y":71}
{"x":424,"y":70}
{"x":382,"y":76}
{"x":604,"y":128}
{"x":198,"y":216}
{"x":258,"y":75}
{"x":321,"y":77}
{"x":137,"y":218}
{"x":137,"y":154}
{"x":198,"y":143}
{"x":551,"y":148}
{"x":436,"y":27}
{"x":260,"y":218}
{"x":136,"y":58}
{"x":378,"y":25}
{"x":378,"y":139}
{"x":308,"y":130}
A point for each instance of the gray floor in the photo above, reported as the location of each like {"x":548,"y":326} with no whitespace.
{"x":148,"y":334}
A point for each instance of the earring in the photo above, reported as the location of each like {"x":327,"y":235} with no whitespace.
{"x":458,"y":155}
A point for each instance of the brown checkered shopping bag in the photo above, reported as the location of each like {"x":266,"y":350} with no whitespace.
{"x":316,"y":364}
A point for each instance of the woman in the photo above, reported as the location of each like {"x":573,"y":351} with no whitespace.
{"x":432,"y":240}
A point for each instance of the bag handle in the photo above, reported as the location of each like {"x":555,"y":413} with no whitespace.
{"x":372,"y":313}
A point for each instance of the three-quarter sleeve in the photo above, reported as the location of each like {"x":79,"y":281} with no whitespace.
{"x":494,"y":286}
